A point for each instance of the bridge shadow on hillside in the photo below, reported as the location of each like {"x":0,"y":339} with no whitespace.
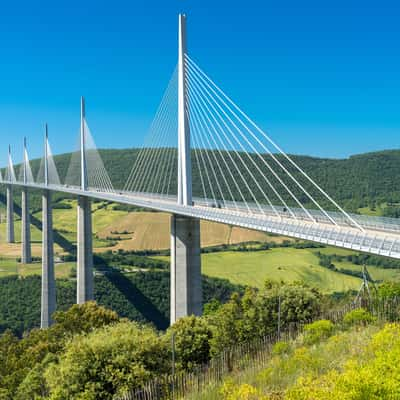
{"x":65,"y":244}
{"x":126,"y":287}
{"x":134,"y":296}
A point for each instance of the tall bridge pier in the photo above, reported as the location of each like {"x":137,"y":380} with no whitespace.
{"x":48,"y":278}
{"x":10,"y":201}
{"x":10,"y":215}
{"x":84,"y":239}
{"x":26,"y":257}
{"x":186,"y":288}
{"x":85,"y":251}
{"x":48,"y":306}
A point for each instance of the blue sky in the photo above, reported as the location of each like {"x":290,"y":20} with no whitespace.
{"x":323,"y":77}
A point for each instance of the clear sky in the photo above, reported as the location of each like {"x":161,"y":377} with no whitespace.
{"x":323,"y":77}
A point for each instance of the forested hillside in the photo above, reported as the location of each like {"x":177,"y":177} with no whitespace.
{"x":359,"y":181}
{"x":141,"y":296}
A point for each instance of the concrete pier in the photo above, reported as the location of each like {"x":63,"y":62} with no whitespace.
{"x":48,"y":278}
{"x":186,"y":286}
{"x":84,"y":251}
{"x":10,"y":215}
{"x":26,"y":257}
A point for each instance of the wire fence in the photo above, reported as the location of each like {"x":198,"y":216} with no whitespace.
{"x":255,"y":354}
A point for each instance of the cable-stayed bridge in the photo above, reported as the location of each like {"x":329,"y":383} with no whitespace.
{"x":203,"y":158}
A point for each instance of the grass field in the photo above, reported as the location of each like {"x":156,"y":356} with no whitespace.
{"x":377,"y":274}
{"x":8,"y":266}
{"x":333,"y":250}
{"x":64,"y":221}
{"x":287,"y":264}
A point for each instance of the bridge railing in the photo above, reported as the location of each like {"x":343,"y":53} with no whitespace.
{"x":376,"y":240}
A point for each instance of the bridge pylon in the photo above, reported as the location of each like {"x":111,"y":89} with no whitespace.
{"x":84,"y":231}
{"x":10,"y":203}
{"x":26,"y":256}
{"x":48,"y":298}
{"x":186,"y":289}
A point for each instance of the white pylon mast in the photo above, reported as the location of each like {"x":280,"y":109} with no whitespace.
{"x":184,"y":163}
{"x":10,"y":165}
{"x":46,"y":162}
{"x":25,"y":178}
{"x":83,"y":145}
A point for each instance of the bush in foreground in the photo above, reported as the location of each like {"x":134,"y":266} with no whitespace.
{"x":360,"y":317}
{"x":317,"y":331}
{"x":191,"y":337}
{"x":108,"y":361}
{"x":232,"y":391}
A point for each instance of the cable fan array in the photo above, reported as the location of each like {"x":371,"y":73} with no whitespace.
{"x":9,"y":175}
{"x":53,"y":177}
{"x":25,"y":172}
{"x":97,"y":176}
{"x":154,"y":170}
{"x":239,"y":166}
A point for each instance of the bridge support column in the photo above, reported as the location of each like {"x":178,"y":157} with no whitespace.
{"x":186,"y":287}
{"x":85,"y":251}
{"x":26,"y":257}
{"x":48,"y":279}
{"x":10,"y":215}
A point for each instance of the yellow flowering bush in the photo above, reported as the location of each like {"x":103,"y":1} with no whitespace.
{"x":232,"y":391}
{"x":280,"y":348}
{"x":318,"y":330}
{"x":374,"y":377}
{"x":359,"y":316}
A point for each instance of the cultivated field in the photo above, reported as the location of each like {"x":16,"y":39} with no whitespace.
{"x":116,"y":229}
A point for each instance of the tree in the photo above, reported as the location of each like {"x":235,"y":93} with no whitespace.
{"x":192,"y":341}
{"x":298,"y":304}
{"x":211,"y":307}
{"x":255,"y":315}
{"x":22,"y":361}
{"x":84,"y":318}
{"x":388,"y":290}
{"x":34,"y":385}
{"x":108,"y":362}
{"x":11,"y":368}
{"x":224,"y":325}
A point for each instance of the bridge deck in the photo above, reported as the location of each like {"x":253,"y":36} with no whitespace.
{"x":379,"y":236}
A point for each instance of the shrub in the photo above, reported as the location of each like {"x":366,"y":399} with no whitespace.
{"x":281,"y":348}
{"x":192,"y":341}
{"x":376,"y":379}
{"x":318,"y":330}
{"x":232,"y":391}
{"x":360,"y":316}
{"x":107,"y":362}
{"x":211,"y":307}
